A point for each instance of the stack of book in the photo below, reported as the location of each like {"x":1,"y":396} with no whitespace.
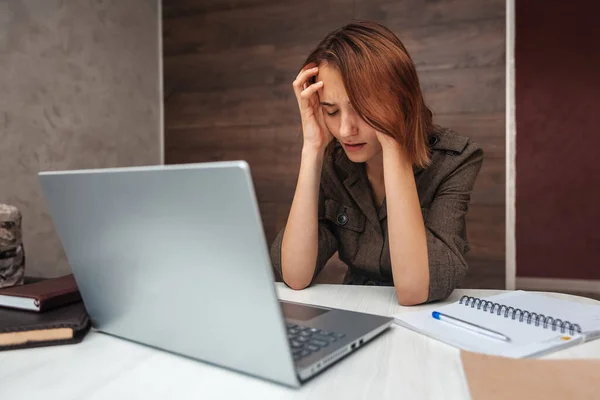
{"x":44,"y":313}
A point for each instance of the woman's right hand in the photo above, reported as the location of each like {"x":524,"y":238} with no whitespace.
{"x":315,"y":132}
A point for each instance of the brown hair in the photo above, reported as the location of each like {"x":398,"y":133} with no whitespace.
{"x":382,"y":84}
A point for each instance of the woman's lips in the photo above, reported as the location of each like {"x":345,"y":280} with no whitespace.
{"x":354,"y":147}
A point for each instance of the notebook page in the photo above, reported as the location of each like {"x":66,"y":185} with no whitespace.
{"x":526,"y":340}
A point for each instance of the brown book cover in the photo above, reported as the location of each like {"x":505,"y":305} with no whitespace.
{"x":62,"y":325}
{"x":41,"y":296}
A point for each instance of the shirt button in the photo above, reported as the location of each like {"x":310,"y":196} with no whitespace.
{"x":342,"y":219}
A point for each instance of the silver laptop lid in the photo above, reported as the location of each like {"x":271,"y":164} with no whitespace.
{"x":175,"y":257}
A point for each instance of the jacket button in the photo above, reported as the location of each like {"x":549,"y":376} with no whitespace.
{"x":433,"y":140}
{"x":342,"y":219}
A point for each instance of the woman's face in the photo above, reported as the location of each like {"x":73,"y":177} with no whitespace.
{"x":358,"y":139}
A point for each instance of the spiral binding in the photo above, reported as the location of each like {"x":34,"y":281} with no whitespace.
{"x":523,"y":315}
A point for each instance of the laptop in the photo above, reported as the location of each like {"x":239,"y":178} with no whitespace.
{"x":175,"y":257}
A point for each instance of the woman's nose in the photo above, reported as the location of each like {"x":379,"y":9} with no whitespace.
{"x":348,"y":127}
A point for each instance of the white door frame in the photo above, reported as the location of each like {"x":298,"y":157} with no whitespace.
{"x":511,"y":146}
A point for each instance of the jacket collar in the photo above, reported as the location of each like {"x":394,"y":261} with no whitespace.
{"x":444,"y":139}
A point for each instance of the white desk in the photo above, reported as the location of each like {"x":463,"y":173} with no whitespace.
{"x":400,"y":364}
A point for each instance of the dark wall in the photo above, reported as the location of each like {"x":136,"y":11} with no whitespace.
{"x":557,"y":58}
{"x":229,"y":66}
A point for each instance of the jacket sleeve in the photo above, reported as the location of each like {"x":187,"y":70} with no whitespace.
{"x":445,"y":223}
{"x":327,"y":244}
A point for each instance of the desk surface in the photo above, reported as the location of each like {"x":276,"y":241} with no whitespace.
{"x":398,"y":364}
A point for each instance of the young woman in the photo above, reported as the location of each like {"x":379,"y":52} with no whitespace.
{"x":378,"y":182}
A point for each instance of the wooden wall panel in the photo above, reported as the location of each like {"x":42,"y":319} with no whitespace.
{"x":249,"y":106}
{"x":228,"y":69}
{"x":411,"y":13}
{"x":457,"y":91}
{"x":279,"y":23}
{"x":181,"y":8}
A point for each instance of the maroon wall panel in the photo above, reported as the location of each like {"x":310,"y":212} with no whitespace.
{"x":557,"y":61}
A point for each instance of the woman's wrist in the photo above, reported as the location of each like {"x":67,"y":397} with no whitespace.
{"x":311,"y":153}
{"x":395,"y":152}
{"x":388,"y":143}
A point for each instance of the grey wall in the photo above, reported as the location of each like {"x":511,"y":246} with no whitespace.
{"x":79,"y":88}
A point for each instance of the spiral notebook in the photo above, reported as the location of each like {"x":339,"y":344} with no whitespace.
{"x":537,"y":324}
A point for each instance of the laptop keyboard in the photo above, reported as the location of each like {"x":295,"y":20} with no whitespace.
{"x":305,"y":340}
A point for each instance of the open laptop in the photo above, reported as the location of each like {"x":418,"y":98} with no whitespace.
{"x":175,"y":257}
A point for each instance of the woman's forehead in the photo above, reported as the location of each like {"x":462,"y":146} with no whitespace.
{"x":333,"y":90}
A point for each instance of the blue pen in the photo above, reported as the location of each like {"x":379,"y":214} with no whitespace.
{"x":469,"y":326}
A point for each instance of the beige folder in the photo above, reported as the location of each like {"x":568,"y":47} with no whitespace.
{"x":491,"y":378}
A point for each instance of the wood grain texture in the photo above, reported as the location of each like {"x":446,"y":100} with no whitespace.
{"x":182,"y":8}
{"x":459,"y":91}
{"x":455,"y":91}
{"x":258,"y":105}
{"x":461,"y":45}
{"x":457,"y":45}
{"x":414,"y":13}
{"x":228,"y":69}
{"x":272,"y":23}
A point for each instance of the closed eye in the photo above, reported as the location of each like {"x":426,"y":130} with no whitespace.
{"x":332,"y":113}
